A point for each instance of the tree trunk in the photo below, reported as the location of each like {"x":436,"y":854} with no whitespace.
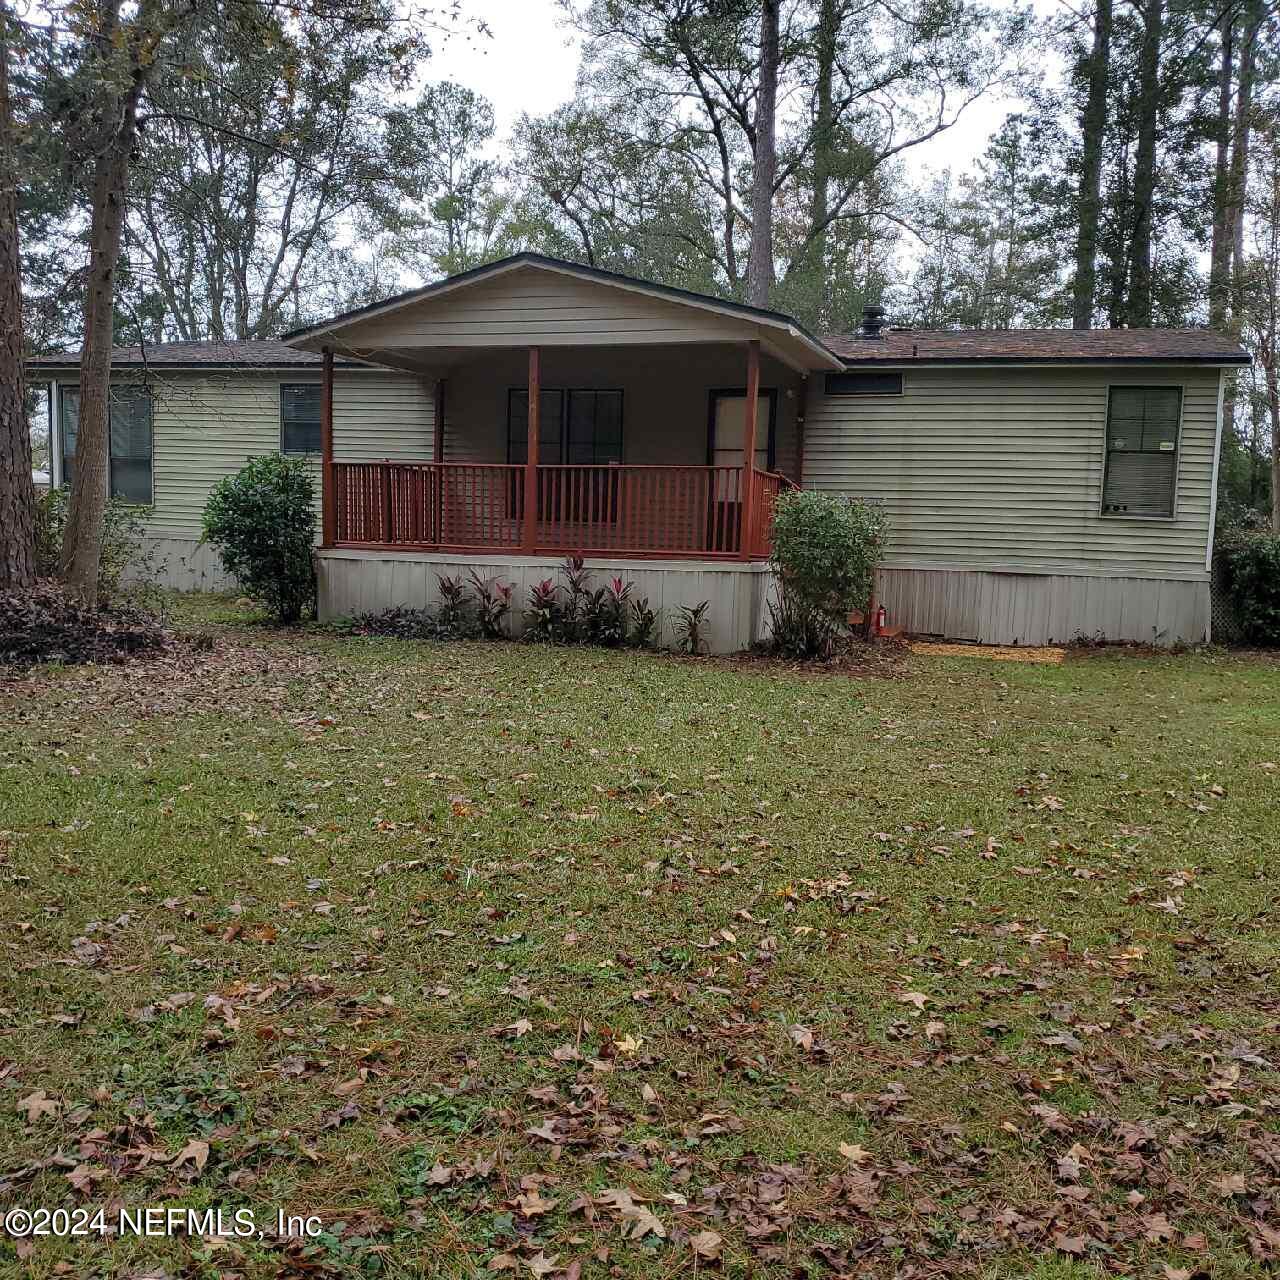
{"x":1273,"y":411}
{"x":1237,"y":193}
{"x":1139,"y":310}
{"x":1238,"y":176}
{"x":1220,"y":250}
{"x":1093,"y":133}
{"x":826,"y":37}
{"x":82,"y":540}
{"x":17,"y":495}
{"x":760,"y":272}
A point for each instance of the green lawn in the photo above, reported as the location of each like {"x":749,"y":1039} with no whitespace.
{"x":495,"y":956}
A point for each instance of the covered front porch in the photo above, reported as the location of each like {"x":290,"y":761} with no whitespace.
{"x":576,"y":412}
{"x":649,"y":452}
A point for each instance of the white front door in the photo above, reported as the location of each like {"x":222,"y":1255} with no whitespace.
{"x":729,"y":427}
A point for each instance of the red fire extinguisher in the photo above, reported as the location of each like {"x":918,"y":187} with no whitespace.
{"x":881,"y":618}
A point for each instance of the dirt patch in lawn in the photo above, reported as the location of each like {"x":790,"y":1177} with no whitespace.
{"x":996,"y":653}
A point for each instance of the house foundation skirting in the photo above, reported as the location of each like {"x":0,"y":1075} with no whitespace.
{"x":179,"y":564}
{"x":368,"y":581}
{"x":1041,"y":608}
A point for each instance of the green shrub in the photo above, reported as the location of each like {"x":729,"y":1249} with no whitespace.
{"x":825,"y":551}
{"x":124,"y":528}
{"x":262,"y":522}
{"x":691,"y":626}
{"x":1250,"y":564}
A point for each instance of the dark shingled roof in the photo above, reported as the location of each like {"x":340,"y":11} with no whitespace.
{"x":262,"y":353}
{"x":895,"y":347}
{"x":1052,"y":346}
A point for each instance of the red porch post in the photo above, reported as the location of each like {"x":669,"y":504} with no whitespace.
{"x":530,"y":533}
{"x":746,"y":525}
{"x":437,"y":471}
{"x":328,"y":477}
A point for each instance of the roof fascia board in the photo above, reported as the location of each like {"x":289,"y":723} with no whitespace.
{"x":1022,"y":362}
{"x":205,"y":366}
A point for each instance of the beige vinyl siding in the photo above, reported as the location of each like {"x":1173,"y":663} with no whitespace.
{"x":1001,"y":469}
{"x":208,"y":424}
{"x":377,"y":415}
{"x":665,"y":399}
{"x":533,"y":306}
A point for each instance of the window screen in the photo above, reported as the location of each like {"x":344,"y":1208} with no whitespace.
{"x":131,"y":444}
{"x":1142,"y":451}
{"x":864,"y":384}
{"x":131,"y":441}
{"x":300,"y":417}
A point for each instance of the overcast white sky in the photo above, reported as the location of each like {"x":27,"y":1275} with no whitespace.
{"x":531,"y":58}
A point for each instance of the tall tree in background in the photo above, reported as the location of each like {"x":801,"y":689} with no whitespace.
{"x":765,"y":160}
{"x":1139,"y":310}
{"x":257,"y":160}
{"x":1093,"y":127}
{"x":17,"y":496}
{"x":673,"y":88}
{"x":991,"y":260}
{"x":1223,"y":229}
{"x":105,"y":62}
{"x":121,"y":56}
{"x":456,"y":215}
{"x":1259,"y":434}
{"x":826,"y":42}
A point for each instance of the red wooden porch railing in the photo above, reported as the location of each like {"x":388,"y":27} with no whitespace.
{"x":692,"y":512}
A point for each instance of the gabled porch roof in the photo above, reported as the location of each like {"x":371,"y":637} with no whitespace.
{"x":532,"y":300}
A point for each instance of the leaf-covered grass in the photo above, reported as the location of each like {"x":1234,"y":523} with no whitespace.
{"x":535,"y":959}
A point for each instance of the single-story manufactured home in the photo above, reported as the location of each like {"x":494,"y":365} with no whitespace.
{"x":1040,"y":484}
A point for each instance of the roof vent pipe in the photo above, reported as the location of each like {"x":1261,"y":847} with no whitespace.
{"x":872,"y":322}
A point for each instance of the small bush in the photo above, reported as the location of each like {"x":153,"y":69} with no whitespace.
{"x":48,"y":623}
{"x":570,"y":612}
{"x":825,"y":551}
{"x":575,"y":613}
{"x":1250,"y":564}
{"x":492,"y":604}
{"x":400,"y":623}
{"x":454,"y":616}
{"x":263,"y":522}
{"x":124,"y":530}
{"x":643,"y":626}
{"x":691,"y":627}
{"x":543,"y":616}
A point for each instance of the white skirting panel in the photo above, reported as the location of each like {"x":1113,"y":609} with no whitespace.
{"x":1029,"y":608}
{"x":181,"y":564}
{"x":353,"y":582}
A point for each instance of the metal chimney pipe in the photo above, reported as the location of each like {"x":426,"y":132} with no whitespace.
{"x":872,"y":322}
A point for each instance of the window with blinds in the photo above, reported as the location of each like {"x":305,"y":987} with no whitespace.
{"x":300,"y":417}
{"x":130,"y":441}
{"x":1142,"y":451}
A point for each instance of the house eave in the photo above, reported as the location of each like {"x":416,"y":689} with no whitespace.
{"x":776,"y":323}
{"x":1024,"y":362}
